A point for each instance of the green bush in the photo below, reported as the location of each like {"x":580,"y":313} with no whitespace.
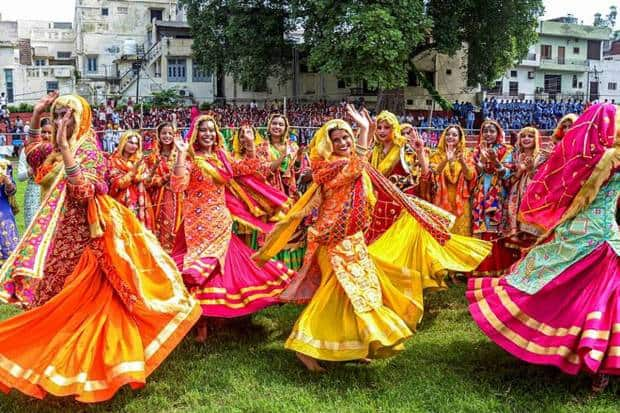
{"x":205,"y":106}
{"x":21,"y":108}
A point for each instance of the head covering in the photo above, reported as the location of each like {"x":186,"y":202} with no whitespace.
{"x":392,"y":120}
{"x":321,"y":147}
{"x":219,"y":139}
{"x":156,"y":144}
{"x":500,"y":132}
{"x":236,"y":141}
{"x":82,"y":116}
{"x":460,"y":146}
{"x":118,"y":153}
{"x":558,"y":132}
{"x":575,"y":171}
{"x":285,"y":135}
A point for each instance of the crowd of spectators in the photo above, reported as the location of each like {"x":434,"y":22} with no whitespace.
{"x":516,"y":114}
{"x":109,"y":121}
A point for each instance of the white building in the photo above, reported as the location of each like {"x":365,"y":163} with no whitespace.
{"x":607,"y":72}
{"x":447,"y":74}
{"x":113,"y":36}
{"x":560,"y":64}
{"x":36,"y":56}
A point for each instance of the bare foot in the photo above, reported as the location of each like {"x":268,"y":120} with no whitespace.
{"x":201,"y":331}
{"x":310,"y":363}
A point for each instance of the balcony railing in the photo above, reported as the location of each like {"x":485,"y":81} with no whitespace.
{"x":564,"y":61}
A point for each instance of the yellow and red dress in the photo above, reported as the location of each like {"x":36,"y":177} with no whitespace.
{"x":362,"y":306}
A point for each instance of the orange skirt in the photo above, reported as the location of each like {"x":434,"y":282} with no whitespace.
{"x":109,"y":326}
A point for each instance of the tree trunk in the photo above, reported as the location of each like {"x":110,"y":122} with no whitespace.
{"x":392,"y":100}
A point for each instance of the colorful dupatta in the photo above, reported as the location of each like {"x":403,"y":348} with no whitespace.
{"x":572,"y":176}
{"x":453,"y":174}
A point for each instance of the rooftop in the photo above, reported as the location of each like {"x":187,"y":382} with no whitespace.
{"x":578,"y":31}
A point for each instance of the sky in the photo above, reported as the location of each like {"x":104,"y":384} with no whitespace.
{"x":62,"y":10}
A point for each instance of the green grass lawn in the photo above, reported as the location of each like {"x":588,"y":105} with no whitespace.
{"x":449,"y":366}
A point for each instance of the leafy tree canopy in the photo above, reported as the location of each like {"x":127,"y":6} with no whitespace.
{"x":359,"y":40}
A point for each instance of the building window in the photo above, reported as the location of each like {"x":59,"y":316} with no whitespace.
{"x":545,"y":51}
{"x":448,"y":72}
{"x":39,"y":62}
{"x":513,"y":73}
{"x":513,"y":88}
{"x":8,"y":81}
{"x":121,"y":10}
{"x":177,"y":70}
{"x":498,"y":89}
{"x":575,"y":50}
{"x":63,"y":55}
{"x":51,"y":86}
{"x":199,"y":74}
{"x":156,"y":14}
{"x":574,"y":81}
{"x":91,"y":64}
{"x":342,"y":84}
{"x":594,"y":49}
{"x":104,"y":11}
{"x":611,"y":86}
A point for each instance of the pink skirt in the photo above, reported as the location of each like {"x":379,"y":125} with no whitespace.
{"x":572,"y":323}
{"x":242,"y":288}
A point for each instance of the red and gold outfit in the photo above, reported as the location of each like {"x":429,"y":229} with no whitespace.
{"x":401,"y":166}
{"x":167,"y":204}
{"x":127,"y":180}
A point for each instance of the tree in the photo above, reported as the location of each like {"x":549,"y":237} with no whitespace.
{"x":166,"y":98}
{"x":245,"y":39}
{"x":362,"y":40}
{"x":608,"y":21}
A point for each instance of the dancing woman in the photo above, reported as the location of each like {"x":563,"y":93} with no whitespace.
{"x":271,"y":204}
{"x":167,"y":204}
{"x":283,"y":177}
{"x":494,"y":164}
{"x":128,"y":173}
{"x":410,"y":172}
{"x":559,"y":305}
{"x":362,"y":304}
{"x":455,"y":176}
{"x":32,"y":195}
{"x":216,"y":265}
{"x":109,"y":303}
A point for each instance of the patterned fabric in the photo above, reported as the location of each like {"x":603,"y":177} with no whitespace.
{"x":573,"y":162}
{"x":61,"y":229}
{"x":8,"y":228}
{"x":127,"y":181}
{"x":167,"y":204}
{"x":216,"y":265}
{"x":573,"y":240}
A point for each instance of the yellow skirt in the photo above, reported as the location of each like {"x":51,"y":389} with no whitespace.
{"x":407,"y":245}
{"x":330,"y":328}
